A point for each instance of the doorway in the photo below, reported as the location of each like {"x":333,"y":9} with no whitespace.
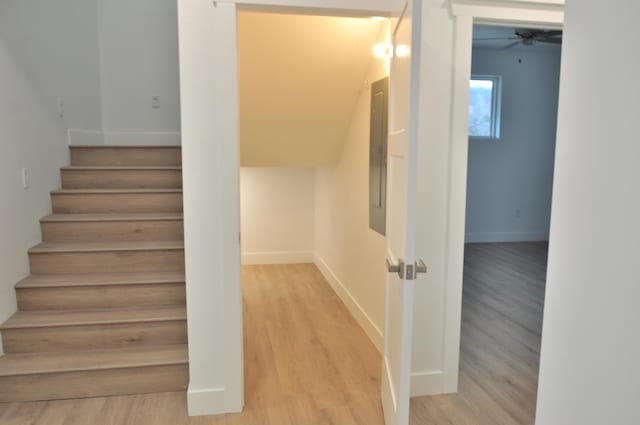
{"x":512,"y":130}
{"x":512,"y":121}
{"x":305,"y":88}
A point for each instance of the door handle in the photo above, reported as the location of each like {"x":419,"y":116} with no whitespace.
{"x":408,"y":272}
{"x":396,"y":268}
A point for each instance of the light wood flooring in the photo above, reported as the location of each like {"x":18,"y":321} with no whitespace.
{"x":308,"y":362}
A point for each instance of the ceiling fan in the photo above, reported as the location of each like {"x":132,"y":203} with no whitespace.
{"x":529,"y":37}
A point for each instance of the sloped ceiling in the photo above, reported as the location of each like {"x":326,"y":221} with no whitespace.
{"x":300,"y":77}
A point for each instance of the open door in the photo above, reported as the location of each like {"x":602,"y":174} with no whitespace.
{"x":401,"y":220}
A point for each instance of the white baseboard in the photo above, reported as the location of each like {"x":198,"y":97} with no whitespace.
{"x":493,"y":237}
{"x":427,"y":383}
{"x":285,"y":257}
{"x":123,"y":138}
{"x":206,"y":402}
{"x":353,"y":306}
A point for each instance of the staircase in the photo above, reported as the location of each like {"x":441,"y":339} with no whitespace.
{"x":103,"y":311}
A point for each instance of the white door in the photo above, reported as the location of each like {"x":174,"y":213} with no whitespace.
{"x":401,"y":220}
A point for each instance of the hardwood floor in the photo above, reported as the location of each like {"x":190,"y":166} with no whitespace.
{"x":308,"y":362}
{"x":502,"y":308}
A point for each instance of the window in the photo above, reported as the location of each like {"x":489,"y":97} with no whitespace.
{"x":484,"y":107}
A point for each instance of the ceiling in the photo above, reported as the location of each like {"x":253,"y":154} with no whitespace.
{"x":300,"y":77}
{"x":484,"y":31}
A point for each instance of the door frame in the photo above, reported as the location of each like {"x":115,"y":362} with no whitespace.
{"x":209,"y":96}
{"x":547,"y":14}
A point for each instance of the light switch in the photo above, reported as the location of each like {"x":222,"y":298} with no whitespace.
{"x":155,"y":102}
{"x":25,"y":178}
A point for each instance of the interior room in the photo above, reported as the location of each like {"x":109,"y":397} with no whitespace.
{"x":128,"y":127}
{"x":512,"y":135}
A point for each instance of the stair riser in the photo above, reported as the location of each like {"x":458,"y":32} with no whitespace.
{"x":112,"y":382}
{"x":118,"y":156}
{"x":121,"y":179}
{"x":94,"y":337}
{"x":107,"y":262}
{"x":117,"y":203}
{"x":90,"y":297}
{"x":109,"y":231}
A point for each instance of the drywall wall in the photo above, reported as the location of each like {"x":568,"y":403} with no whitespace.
{"x":55,"y":45}
{"x":277,"y":215}
{"x":211,"y":162}
{"x":510,"y":179}
{"x":138,"y":60}
{"x":350,"y":255}
{"x":590,"y":348}
{"x":46,"y":53}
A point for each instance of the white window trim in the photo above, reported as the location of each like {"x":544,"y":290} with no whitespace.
{"x":496,"y":106}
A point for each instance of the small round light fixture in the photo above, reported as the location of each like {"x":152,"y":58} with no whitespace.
{"x":381,"y":51}
{"x":402,"y":51}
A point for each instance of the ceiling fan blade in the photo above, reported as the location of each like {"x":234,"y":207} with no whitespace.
{"x":510,"y":45}
{"x":495,"y":38}
{"x":551,"y":40}
{"x":552,"y":33}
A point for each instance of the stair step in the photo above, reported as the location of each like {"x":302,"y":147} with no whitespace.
{"x":71,"y":330}
{"x":100,"y":279}
{"x":94,"y":291}
{"x":61,"y":375}
{"x":126,"y":155}
{"x":112,"y":227}
{"x":142,"y":177}
{"x":106,"y":257}
{"x":92,"y":218}
{"x":83,"y":201}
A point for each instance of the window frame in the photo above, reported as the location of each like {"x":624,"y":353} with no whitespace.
{"x":496,"y":106}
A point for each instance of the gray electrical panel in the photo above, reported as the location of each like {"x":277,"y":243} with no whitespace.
{"x":378,"y":156}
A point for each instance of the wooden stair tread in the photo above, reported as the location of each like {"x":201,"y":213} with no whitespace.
{"x":36,"y":363}
{"x":111,"y":191}
{"x":120,"y":246}
{"x":100,"y":279}
{"x":66,"y":218}
{"x":56,"y":318}
{"x":121,"y":168}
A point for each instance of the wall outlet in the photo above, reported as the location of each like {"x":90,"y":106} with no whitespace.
{"x":24,"y":173}
{"x":155,"y":102}
{"x":518,"y":213}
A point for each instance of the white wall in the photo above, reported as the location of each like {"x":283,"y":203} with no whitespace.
{"x":138,"y":60}
{"x":510,"y":180}
{"x":47,"y":52}
{"x":55,"y":46}
{"x":277,"y":215}
{"x":590,"y":347}
{"x":348,"y":252}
